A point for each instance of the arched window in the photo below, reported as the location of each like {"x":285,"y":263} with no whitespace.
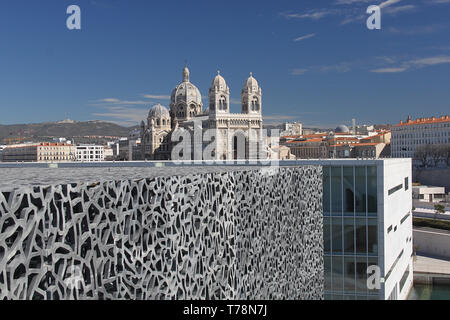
{"x":255,"y":104}
{"x":222,"y":103}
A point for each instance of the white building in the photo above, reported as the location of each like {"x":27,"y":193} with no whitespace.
{"x":407,"y":136}
{"x":292,"y":129}
{"x":429,"y":193}
{"x":90,"y":153}
{"x":367,"y":208}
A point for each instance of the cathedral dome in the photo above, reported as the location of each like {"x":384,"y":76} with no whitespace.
{"x":341,"y":129}
{"x":185,"y":92}
{"x":219,"y":82}
{"x":251,"y":82}
{"x":159,"y":111}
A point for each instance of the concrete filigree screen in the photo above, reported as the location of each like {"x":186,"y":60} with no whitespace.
{"x":253,"y":234}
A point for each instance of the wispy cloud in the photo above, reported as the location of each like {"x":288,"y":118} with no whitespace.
{"x":235,"y":101}
{"x":352,"y":1}
{"x":305,"y":37}
{"x":278,"y":118}
{"x":431,"y":61}
{"x":399,"y":9}
{"x":437,"y":1}
{"x":388,"y":3}
{"x":314,"y":14}
{"x":122,"y":115}
{"x":154,"y":96}
{"x":414,"y":64}
{"x":389,"y":70}
{"x":298,"y":72}
{"x":417,"y":30}
{"x":340,"y":67}
{"x":116,"y":101}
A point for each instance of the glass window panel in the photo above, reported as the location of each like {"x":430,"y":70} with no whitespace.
{"x":372,"y":236}
{"x":337,"y":273}
{"x":336,"y":191}
{"x":349,"y":235}
{"x":327,"y":273}
{"x":372,"y":189}
{"x":326,"y":234}
{"x":326,"y":190}
{"x":348,"y":190}
{"x":336,"y":242}
{"x":360,"y":190}
{"x":361,"y":274}
{"x":349,"y":276}
{"x":361,"y":242}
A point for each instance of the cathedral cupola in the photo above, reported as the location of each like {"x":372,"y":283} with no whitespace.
{"x":219,"y":95}
{"x":251,"y":96}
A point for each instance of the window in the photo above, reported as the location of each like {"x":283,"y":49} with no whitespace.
{"x":404,"y":278}
{"x":406,"y":183}
{"x":392,"y":190}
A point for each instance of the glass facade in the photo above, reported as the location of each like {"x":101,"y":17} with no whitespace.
{"x":350,"y":230}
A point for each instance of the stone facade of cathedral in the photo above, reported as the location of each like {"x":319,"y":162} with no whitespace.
{"x":191,"y":133}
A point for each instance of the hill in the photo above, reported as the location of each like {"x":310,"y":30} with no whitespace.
{"x":67,"y":129}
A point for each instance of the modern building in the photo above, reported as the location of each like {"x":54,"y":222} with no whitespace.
{"x":428,"y":193}
{"x":367,"y":222}
{"x":232,"y":135}
{"x":90,"y":153}
{"x":408,"y":135}
{"x":41,"y":152}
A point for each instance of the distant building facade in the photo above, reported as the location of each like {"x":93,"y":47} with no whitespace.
{"x":90,"y":153}
{"x":292,"y":128}
{"x":339,"y":144}
{"x":407,"y":136}
{"x":428,"y":193}
{"x":42,"y":152}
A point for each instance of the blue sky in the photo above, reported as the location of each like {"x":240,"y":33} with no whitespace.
{"x":316,"y":61}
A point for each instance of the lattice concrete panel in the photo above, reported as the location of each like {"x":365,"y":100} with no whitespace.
{"x":224,"y":235}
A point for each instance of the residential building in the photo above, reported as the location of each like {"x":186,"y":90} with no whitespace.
{"x":314,"y":148}
{"x":90,"y":153}
{"x":408,"y":135}
{"x":40,"y":152}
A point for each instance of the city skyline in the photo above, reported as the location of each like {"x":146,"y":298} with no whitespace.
{"x":316,"y":61}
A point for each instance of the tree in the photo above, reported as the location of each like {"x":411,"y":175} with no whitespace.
{"x":421,"y":154}
{"x":446,"y":153}
{"x":437,"y":153}
{"x":439,"y":209}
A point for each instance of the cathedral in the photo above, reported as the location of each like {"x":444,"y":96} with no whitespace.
{"x":210,"y":134}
